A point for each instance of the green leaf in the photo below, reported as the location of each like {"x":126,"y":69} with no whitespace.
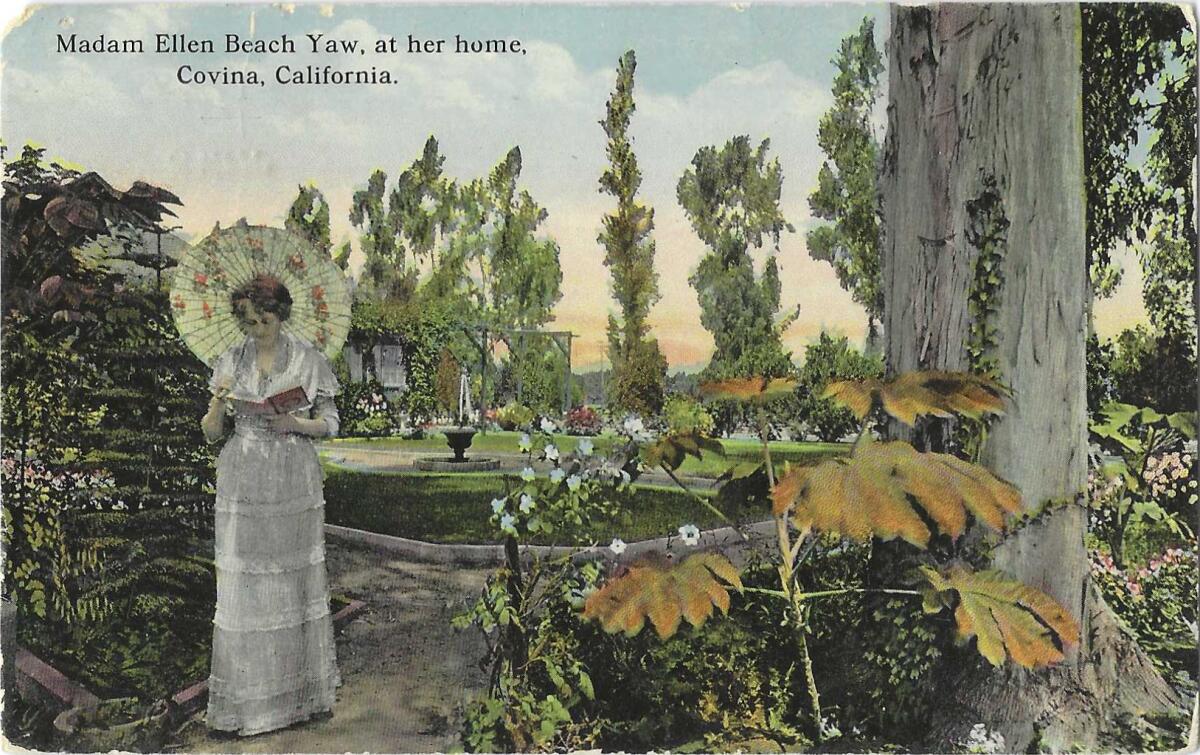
{"x":1184,"y":422}
{"x":585,"y":686}
{"x":1119,"y":414}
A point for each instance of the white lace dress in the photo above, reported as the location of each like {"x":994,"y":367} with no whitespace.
{"x":273,"y":658}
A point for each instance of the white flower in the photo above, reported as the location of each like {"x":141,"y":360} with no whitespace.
{"x":573,"y":482}
{"x":980,"y":741}
{"x":548,"y":426}
{"x":585,"y":447}
{"x":556,"y":475}
{"x":633,"y":424}
{"x":498,"y":505}
{"x":690,"y":534}
{"x":524,"y":443}
{"x":551,"y":452}
{"x":617,"y":546}
{"x":506,"y":523}
{"x":527,"y":503}
{"x":527,"y":474}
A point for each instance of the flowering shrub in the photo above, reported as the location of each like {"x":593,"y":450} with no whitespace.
{"x":1170,"y":480}
{"x":1151,"y":481}
{"x":583,"y":420}
{"x":514,"y":415}
{"x":365,"y":411}
{"x":1157,"y":602}
{"x":539,"y":689}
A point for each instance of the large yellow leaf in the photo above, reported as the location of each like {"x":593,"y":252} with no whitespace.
{"x":1008,"y":619}
{"x":665,"y":593}
{"x":670,"y":450}
{"x":756,"y":390}
{"x":873,"y":491}
{"x":942,"y":394}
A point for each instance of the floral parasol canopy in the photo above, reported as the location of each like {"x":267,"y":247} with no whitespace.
{"x":227,"y":258}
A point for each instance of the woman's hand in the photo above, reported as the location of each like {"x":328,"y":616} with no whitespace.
{"x":284,"y":423}
{"x":213,"y":422}
{"x":289,"y":423}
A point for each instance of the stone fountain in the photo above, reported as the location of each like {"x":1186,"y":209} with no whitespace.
{"x":459,"y":438}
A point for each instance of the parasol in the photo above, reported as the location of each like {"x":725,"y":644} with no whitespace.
{"x":209,"y":272}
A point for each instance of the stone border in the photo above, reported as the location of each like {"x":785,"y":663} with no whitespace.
{"x":493,"y":555}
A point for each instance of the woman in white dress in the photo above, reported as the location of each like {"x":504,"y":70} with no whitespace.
{"x":273,"y":658}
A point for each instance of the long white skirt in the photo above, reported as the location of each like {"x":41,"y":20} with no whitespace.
{"x":273,"y":660}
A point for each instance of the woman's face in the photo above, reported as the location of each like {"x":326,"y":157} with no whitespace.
{"x":261,"y":326}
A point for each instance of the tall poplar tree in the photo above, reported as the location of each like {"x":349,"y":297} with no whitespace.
{"x":845,"y":194}
{"x":731,"y":196}
{"x":639,"y":367}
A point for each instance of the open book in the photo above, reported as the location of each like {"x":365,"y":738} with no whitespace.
{"x":284,"y":402}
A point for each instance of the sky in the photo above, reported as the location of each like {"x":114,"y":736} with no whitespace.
{"x":705,"y":74}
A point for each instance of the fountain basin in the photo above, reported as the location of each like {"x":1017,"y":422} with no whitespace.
{"x":448,"y":464}
{"x":459,"y":440}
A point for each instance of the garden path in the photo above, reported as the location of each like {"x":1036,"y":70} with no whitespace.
{"x":406,"y":673}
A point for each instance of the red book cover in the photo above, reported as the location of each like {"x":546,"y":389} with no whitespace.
{"x":283,"y":402}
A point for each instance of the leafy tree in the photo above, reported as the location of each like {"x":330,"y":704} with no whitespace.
{"x":639,"y":368}
{"x":1154,"y":369}
{"x":385,"y":273}
{"x":830,"y":358}
{"x":731,"y":197}
{"x":845,"y":194}
{"x":423,"y":207}
{"x":309,"y":217}
{"x":1140,"y":78}
{"x":525,"y":275}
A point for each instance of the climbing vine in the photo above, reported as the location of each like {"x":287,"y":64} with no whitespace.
{"x":987,"y":232}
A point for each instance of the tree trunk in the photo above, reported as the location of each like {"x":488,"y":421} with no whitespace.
{"x":984,"y":159}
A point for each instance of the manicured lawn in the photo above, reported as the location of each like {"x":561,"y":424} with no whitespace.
{"x":456,"y":508}
{"x":711,"y":466}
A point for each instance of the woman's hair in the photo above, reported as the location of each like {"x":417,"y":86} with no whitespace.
{"x":265,"y":293}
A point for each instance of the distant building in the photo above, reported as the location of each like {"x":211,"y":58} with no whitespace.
{"x":385,"y":363}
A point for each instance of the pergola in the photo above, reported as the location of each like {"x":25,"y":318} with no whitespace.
{"x":484,"y":336}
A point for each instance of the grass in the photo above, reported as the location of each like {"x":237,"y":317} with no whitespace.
{"x":711,"y":466}
{"x":455,"y":508}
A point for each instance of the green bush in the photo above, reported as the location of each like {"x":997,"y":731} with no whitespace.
{"x":639,"y":381}
{"x":365,"y":411}
{"x":684,"y":414}
{"x":830,"y":358}
{"x":732,"y":680}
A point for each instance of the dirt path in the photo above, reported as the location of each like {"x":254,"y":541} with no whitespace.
{"x":406,"y":673}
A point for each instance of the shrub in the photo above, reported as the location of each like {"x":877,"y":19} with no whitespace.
{"x":583,"y":420}
{"x":830,"y":358}
{"x":639,"y":380}
{"x":1157,"y":602}
{"x":514,"y":415}
{"x":706,"y":689}
{"x":684,"y":414}
{"x":365,"y":411}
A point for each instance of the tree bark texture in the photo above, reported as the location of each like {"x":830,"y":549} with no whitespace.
{"x":984,"y":156}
